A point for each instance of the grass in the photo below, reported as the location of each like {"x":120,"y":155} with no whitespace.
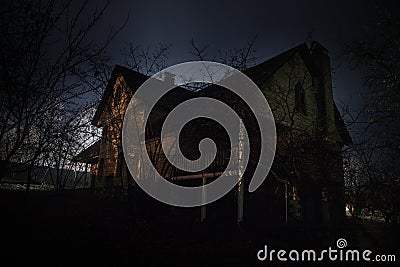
{"x":79,"y":229}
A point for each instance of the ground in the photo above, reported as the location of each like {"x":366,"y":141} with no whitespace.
{"x":79,"y":229}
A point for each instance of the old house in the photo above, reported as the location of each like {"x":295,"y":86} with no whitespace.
{"x":306,"y":179}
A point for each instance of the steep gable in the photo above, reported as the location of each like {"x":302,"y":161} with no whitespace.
{"x":260,"y":74}
{"x":263,"y":71}
{"x":134,"y":80}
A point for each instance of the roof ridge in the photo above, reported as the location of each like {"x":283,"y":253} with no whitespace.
{"x":284,"y":53}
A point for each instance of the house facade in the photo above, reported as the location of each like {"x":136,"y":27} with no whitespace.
{"x":306,"y":179}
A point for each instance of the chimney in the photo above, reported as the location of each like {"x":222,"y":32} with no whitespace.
{"x":169,"y":78}
{"x":321,"y":59}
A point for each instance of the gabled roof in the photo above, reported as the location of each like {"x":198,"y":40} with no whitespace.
{"x":259,"y":74}
{"x":342,"y":129}
{"x":133,"y":78}
{"x":263,"y":71}
{"x":89,"y":155}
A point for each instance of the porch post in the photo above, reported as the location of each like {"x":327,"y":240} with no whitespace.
{"x":240,"y":173}
{"x":85,"y":177}
{"x":203,"y":196}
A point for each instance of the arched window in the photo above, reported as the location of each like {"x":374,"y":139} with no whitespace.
{"x":300,"y":100}
{"x":117,"y":96}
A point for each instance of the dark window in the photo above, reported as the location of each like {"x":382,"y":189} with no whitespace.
{"x":300,"y":100}
{"x":117,"y":96}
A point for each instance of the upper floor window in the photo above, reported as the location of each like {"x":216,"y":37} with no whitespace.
{"x":117,"y":95}
{"x":300,"y":98}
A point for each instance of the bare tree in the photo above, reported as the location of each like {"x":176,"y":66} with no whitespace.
{"x":376,"y":126}
{"x":240,"y":58}
{"x":146,"y":60}
{"x":76,"y":133}
{"x":49,"y":68}
{"x":302,"y":157}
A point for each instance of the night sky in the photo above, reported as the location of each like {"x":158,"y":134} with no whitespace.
{"x":279,"y":25}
